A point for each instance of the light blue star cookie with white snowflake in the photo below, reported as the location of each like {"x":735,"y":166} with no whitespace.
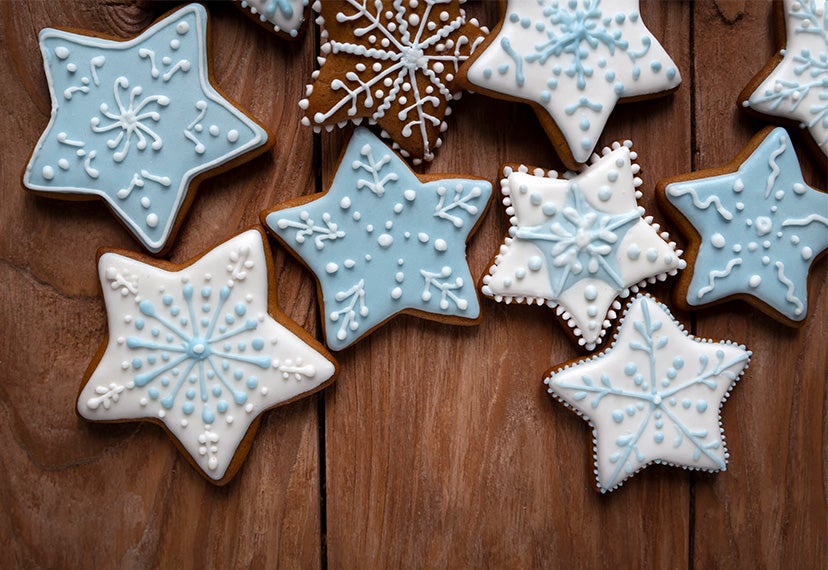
{"x":654,"y":396}
{"x":760,"y":228}
{"x":382,"y":242}
{"x":135,"y":122}
{"x":197,"y":350}
{"x":572,"y":60}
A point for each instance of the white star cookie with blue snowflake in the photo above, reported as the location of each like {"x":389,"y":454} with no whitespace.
{"x":757,"y":229}
{"x":794,"y":85}
{"x":572,"y":60}
{"x":382,"y":242}
{"x":579,"y":242}
{"x":285,"y":17}
{"x":195,"y":349}
{"x":654,"y":396}
{"x":135,"y":122}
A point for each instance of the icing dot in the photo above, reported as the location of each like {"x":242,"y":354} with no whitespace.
{"x":48,"y":172}
{"x":72,"y":68}
{"x":213,"y":130}
{"x":652,"y":255}
{"x":440,"y":245}
{"x":331,"y":267}
{"x":349,"y":263}
{"x":765,"y":259}
{"x":63,"y":164}
{"x":61,"y":52}
{"x":618,"y":416}
{"x":549,"y":209}
{"x":535,"y":263}
{"x":633,"y":252}
{"x":738,"y":186}
{"x":385,"y":240}
{"x":152,"y":220}
{"x":630,"y":369}
{"x":396,"y":293}
{"x":701,"y":406}
{"x":232,"y":135}
{"x":409,"y":195}
{"x":345,"y":203}
{"x":145,"y":202}
{"x":399,"y":277}
{"x":398,"y":208}
{"x":604,"y":193}
{"x":718,"y":240}
{"x":423,"y":237}
{"x":590,"y":293}
{"x":612,"y":175}
{"x":807,"y":252}
{"x":754,"y":281}
{"x":175,"y":44}
{"x":182,"y":28}
{"x":799,"y":188}
{"x":535,"y":199}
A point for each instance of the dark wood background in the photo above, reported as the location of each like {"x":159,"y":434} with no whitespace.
{"x":438,"y":446}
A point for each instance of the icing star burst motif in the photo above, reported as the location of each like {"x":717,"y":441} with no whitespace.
{"x":196,"y":350}
{"x":578,"y":242}
{"x":134,"y":122}
{"x":798,"y":87}
{"x":654,"y":396}
{"x":394,"y":63}
{"x":382,"y":242}
{"x":761,"y":228}
{"x":573,"y":60}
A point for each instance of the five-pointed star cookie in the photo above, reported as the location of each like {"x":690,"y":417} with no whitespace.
{"x":194,"y":348}
{"x":654,"y":396}
{"x":579,"y":242}
{"x":383,"y":242}
{"x":758,"y":229}
{"x":285,"y":17}
{"x":394,"y":63}
{"x":794,"y":84}
{"x":572,"y":60}
{"x":135,"y":122}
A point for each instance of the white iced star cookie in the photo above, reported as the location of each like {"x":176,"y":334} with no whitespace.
{"x":654,"y":396}
{"x":579,"y":242}
{"x":138,"y":124}
{"x":794,"y":84}
{"x":285,"y":17}
{"x":195,"y":349}
{"x":572,"y":61}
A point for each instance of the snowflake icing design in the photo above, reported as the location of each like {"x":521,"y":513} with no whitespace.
{"x":573,"y":60}
{"x":798,"y":87}
{"x":282,"y":16}
{"x":135,"y":122}
{"x":400,"y":60}
{"x":380,"y":242}
{"x":197,"y":350}
{"x":761,"y":229}
{"x":579,"y":242}
{"x":654,"y":396}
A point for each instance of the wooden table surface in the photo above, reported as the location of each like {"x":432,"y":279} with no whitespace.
{"x":438,"y":446}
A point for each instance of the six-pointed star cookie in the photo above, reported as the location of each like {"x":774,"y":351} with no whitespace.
{"x":382,"y":242}
{"x":794,"y":85}
{"x":578,"y":242}
{"x":572,"y":60}
{"x":654,"y":396}
{"x":194,"y":348}
{"x":393,"y":62}
{"x":285,"y":17}
{"x":759,"y":229}
{"x":135,"y":122}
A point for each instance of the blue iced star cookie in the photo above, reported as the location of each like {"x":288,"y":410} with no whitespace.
{"x":135,"y":122}
{"x":654,"y":396}
{"x":383,"y":242}
{"x":759,"y":229}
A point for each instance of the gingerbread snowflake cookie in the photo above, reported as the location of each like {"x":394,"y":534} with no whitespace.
{"x":285,"y":17}
{"x":756,"y":229}
{"x":572,"y":61}
{"x":195,"y":349}
{"x":654,"y":396}
{"x":579,"y":242}
{"x":794,"y":84}
{"x":138,"y":123}
{"x":383,"y":241}
{"x":394,"y":63}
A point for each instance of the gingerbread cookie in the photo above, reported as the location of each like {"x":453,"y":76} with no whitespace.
{"x":195,"y":349}
{"x":394,"y":63}
{"x":755,"y":228}
{"x":794,"y":84}
{"x":579,"y":242}
{"x":654,"y":396}
{"x":572,"y":61}
{"x":138,"y":123}
{"x":383,"y":241}
{"x":285,"y":17}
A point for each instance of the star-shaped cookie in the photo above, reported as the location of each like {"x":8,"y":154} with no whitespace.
{"x":195,"y":349}
{"x":755,"y":230}
{"x":285,"y":17}
{"x":654,"y":396}
{"x":572,"y":61}
{"x":382,"y":241}
{"x":137,"y":123}
{"x":794,"y":84}
{"x":579,"y":242}
{"x":394,"y":63}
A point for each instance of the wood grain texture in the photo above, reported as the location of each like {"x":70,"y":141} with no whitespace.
{"x":437,"y":446}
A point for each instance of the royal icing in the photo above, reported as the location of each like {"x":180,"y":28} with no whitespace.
{"x":197,"y":350}
{"x":285,"y":16}
{"x":394,"y":63}
{"x":654,"y":396}
{"x":380,"y":241}
{"x":760,"y":227}
{"x":579,"y":242}
{"x":573,"y":60}
{"x":798,"y":87}
{"x":135,"y":122}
